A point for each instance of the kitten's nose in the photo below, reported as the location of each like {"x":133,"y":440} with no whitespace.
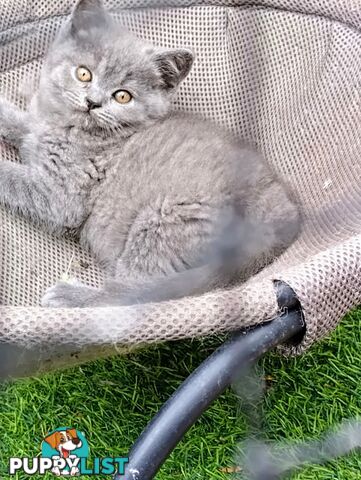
{"x":92,"y":104}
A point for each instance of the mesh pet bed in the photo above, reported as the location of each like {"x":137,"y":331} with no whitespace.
{"x":285,"y":76}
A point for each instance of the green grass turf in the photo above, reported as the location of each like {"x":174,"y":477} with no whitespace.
{"x":112,"y":400}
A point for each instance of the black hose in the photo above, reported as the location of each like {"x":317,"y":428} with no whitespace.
{"x":204,"y":385}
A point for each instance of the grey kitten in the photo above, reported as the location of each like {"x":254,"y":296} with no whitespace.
{"x":169,"y":204}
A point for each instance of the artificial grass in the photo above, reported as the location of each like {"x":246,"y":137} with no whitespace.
{"x":112,"y":400}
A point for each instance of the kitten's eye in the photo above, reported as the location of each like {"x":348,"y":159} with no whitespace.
{"x":83,"y":74}
{"x":122,"y":96}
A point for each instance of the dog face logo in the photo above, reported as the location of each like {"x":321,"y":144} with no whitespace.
{"x":65,"y":446}
{"x":64,"y":441}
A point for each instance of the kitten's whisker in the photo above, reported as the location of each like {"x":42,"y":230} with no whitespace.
{"x":72,"y":98}
{"x":105,"y":121}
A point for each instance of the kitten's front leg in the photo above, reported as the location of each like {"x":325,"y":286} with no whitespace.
{"x":25,"y":191}
{"x":14,"y":123}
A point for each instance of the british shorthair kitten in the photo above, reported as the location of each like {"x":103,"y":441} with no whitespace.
{"x":169,"y":204}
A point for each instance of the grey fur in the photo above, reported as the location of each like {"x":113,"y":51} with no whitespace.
{"x":169,"y":204}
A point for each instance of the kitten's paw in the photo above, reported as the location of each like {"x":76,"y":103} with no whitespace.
{"x":69,"y":294}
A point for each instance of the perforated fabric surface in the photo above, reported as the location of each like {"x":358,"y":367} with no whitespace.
{"x":285,"y":76}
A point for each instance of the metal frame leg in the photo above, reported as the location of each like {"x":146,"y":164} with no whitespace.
{"x":206,"y":383}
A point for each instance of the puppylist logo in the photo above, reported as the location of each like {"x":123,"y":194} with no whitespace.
{"x":65,"y":451}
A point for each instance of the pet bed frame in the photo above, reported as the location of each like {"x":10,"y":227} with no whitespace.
{"x":285,"y":76}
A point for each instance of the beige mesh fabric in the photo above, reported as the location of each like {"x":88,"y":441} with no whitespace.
{"x":285,"y":76}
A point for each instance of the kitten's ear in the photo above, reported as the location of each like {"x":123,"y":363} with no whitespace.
{"x":174,"y":66}
{"x":87,"y":14}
